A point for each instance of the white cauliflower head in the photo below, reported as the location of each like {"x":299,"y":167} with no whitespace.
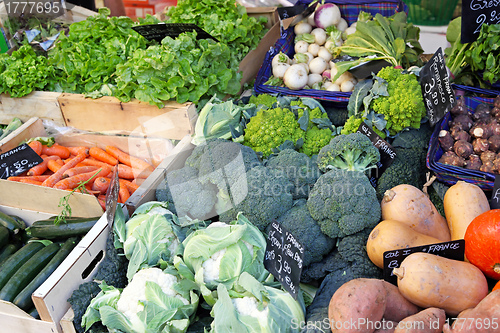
{"x":132,"y":296}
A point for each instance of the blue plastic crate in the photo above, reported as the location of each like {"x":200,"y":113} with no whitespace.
{"x":349,"y":11}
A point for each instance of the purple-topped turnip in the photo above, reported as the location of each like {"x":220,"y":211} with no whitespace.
{"x":326,"y":15}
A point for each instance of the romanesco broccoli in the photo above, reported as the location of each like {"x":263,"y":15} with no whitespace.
{"x":404,"y":107}
{"x":315,"y":139}
{"x":270,"y":128}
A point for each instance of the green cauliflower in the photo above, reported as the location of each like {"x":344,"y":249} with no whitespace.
{"x":270,"y":128}
{"x":404,"y":107}
{"x":353,"y":152}
{"x":343,"y":202}
{"x":300,"y":169}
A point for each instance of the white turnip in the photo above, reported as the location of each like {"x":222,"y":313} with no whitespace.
{"x":324,"y":53}
{"x":279,"y":69}
{"x":326,"y":74}
{"x":296,"y":77}
{"x":301,"y":57}
{"x":347,"y":86}
{"x":327,"y":84}
{"x":326,"y":15}
{"x":310,"y":20}
{"x":333,"y":87}
{"x":342,"y":25}
{"x":314,"y":78}
{"x":319,"y":36}
{"x":311,"y":57}
{"x":302,"y":28}
{"x":346,"y":76}
{"x":280,"y":57}
{"x":313,"y":49}
{"x":301,"y":46}
{"x":350,"y":30}
{"x":317,"y":65}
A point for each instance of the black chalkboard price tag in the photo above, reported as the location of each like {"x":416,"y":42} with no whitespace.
{"x":495,"y":194}
{"x":439,"y":98}
{"x":393,"y":259}
{"x":474,"y":15}
{"x":284,"y":257}
{"x":18,"y":160}
{"x":159,"y":31}
{"x":387,"y":153}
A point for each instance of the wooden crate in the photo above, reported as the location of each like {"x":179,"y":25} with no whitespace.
{"x":108,"y":114}
{"x":44,"y":199}
{"x":41,"y":104}
{"x":51,"y":301}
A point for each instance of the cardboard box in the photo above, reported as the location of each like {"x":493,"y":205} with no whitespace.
{"x":50,"y":298}
{"x":44,"y":199}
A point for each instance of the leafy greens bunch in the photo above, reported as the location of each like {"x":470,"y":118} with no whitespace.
{"x":226,"y":20}
{"x":392,"y":39}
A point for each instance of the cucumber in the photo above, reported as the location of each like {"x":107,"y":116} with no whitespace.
{"x":63,"y":230}
{"x":7,"y":252}
{"x":28,"y":271}
{"x":11,"y":223}
{"x":23,"y":299}
{"x":4,"y":236}
{"x":15,"y":261}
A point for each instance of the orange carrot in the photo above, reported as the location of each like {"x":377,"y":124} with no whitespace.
{"x":42,"y":167}
{"x":76,"y":170}
{"x":131,"y":187}
{"x":37,"y":178}
{"x":56,"y":149}
{"x":90,"y":161}
{"x":102,"y":201}
{"x":101,"y":155}
{"x":74,"y":181}
{"x":101,"y":184}
{"x":36,"y":146}
{"x":123,"y":193}
{"x":49,"y":182}
{"x":77,"y":150}
{"x":138,"y":181}
{"x":30,"y":181}
{"x":125,"y":172}
{"x":53,"y":165}
{"x":131,"y":161}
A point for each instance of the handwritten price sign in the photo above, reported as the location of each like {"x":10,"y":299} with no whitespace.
{"x":475,"y":13}
{"x":18,"y":160}
{"x":284,"y":258}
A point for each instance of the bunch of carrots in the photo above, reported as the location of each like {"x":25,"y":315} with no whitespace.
{"x":65,"y":168}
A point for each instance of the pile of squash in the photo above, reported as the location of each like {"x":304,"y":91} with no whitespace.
{"x":434,"y":293}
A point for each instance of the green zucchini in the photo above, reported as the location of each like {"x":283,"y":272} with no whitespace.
{"x":11,"y":223}
{"x":15,"y":261}
{"x":50,"y":220}
{"x":4,"y":236}
{"x":28,"y":271}
{"x":23,"y":299}
{"x":7,"y":251}
{"x":63,"y":230}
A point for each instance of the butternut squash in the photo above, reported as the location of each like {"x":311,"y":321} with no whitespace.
{"x":391,"y":235}
{"x":462,"y":203}
{"x":428,"y":280}
{"x":408,"y":204}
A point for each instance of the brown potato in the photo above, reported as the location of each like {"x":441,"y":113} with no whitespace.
{"x":430,"y":320}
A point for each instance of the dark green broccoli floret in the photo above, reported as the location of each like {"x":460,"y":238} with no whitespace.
{"x":411,"y":150}
{"x":262,"y":194}
{"x":353,"y":250}
{"x":194,"y":159}
{"x":343,"y":202}
{"x":338,"y":116}
{"x":186,"y":195}
{"x":299,"y":168}
{"x":354,"y":152}
{"x":307,"y":231}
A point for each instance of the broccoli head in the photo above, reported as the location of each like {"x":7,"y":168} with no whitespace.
{"x":299,"y":168}
{"x":352,"y":249}
{"x":343,"y":202}
{"x":414,"y":138}
{"x":299,"y":222}
{"x":194,"y":159}
{"x":261,"y":194}
{"x":353,"y":152}
{"x":186,"y":195}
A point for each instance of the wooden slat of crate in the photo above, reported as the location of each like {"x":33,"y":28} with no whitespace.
{"x":108,"y":114}
{"x":16,"y":320}
{"x":39,"y":104}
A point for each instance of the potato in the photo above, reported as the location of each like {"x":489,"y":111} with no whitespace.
{"x":391,"y":235}
{"x":397,"y":306}
{"x":387,"y":327}
{"x":357,"y":303}
{"x":462,"y":203}
{"x":408,"y":204}
{"x":484,"y":318}
{"x":428,"y":280}
{"x":430,"y":320}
